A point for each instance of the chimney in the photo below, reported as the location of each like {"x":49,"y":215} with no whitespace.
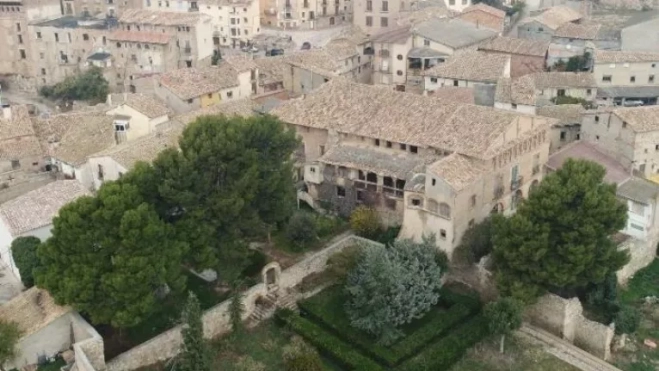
{"x":6,"y":112}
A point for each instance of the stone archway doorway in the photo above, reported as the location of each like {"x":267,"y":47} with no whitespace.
{"x":271,"y":273}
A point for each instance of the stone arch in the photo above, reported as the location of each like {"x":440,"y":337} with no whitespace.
{"x":270,"y":274}
{"x":534,"y":184}
{"x":445,"y":210}
{"x":498,"y":208}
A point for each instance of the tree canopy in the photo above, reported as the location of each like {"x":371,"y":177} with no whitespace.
{"x":24,"y":252}
{"x":10,"y":334}
{"x":504,"y":316}
{"x":109,"y":255}
{"x":89,"y":85}
{"x":560,"y":237}
{"x":392,"y":286}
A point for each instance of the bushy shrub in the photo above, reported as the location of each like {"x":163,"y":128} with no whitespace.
{"x":365,"y":222}
{"x":627,"y":320}
{"x":327,"y":225}
{"x":476,"y":242}
{"x":300,"y":356}
{"x":301,"y":229}
{"x":24,"y":252}
{"x":392,"y":286}
{"x":341,"y":263}
{"x":249,"y":364}
{"x":90,"y":85}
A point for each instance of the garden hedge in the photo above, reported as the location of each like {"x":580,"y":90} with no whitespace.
{"x":435,"y":325}
{"x":328,"y":344}
{"x":448,"y":350}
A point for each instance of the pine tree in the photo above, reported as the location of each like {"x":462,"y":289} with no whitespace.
{"x":195,"y":353}
{"x":236,"y":310}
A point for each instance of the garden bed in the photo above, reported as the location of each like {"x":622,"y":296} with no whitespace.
{"x":434,"y":342}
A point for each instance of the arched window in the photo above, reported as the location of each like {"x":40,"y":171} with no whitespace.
{"x":416,"y":201}
{"x":433,"y":206}
{"x":444,"y":210}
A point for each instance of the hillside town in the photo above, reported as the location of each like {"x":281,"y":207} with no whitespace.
{"x":311,"y":185}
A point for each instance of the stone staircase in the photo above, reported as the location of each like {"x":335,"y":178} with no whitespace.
{"x":267,"y":305}
{"x":565,"y":351}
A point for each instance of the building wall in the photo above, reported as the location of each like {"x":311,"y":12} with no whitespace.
{"x":301,"y":14}
{"x":621,"y":73}
{"x":45,"y":343}
{"x":521,"y":108}
{"x":433,"y":83}
{"x":545,"y":96}
{"x":360,"y":14}
{"x":639,"y":219}
{"x":233,"y":24}
{"x":534,"y":31}
{"x":303,"y":81}
{"x":641,"y":37}
{"x":6,"y":239}
{"x":482,"y":19}
{"x":562,"y":135}
{"x":174,"y":102}
{"x":385,"y":68}
{"x":111,"y":170}
{"x":420,"y":41}
{"x":606,"y":132}
{"x":131,"y":60}
{"x":140,"y":124}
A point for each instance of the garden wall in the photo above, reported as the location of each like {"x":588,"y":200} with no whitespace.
{"x":216,"y":319}
{"x":564,"y":318}
{"x":641,"y":252}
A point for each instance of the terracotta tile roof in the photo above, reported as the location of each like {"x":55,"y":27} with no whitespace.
{"x":188,"y":83}
{"x":272,"y":69}
{"x":341,"y":48}
{"x":578,"y":31}
{"x":545,"y":80}
{"x":317,"y":61}
{"x":517,"y":91}
{"x":454,"y":33}
{"x":485,"y":8}
{"x":37,"y":208}
{"x":615,"y":172}
{"x":17,"y":136}
{"x":457,"y":170}
{"x":378,"y":112}
{"x":386,"y":163}
{"x":240,"y":107}
{"x":147,"y":105}
{"x":454,"y":94}
{"x":144,"y":149}
{"x":72,"y":137}
{"x":617,"y":56}
{"x":565,"y":113}
{"x":32,"y":310}
{"x":140,"y":37}
{"x":240,"y":63}
{"x":640,"y":119}
{"x":421,"y":15}
{"x":160,"y":18}
{"x":353,"y":33}
{"x":394,"y":35}
{"x":514,"y":45}
{"x":554,"y":17}
{"x":472,"y":66}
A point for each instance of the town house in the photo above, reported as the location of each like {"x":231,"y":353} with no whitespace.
{"x":567,"y":129}
{"x":526,"y":56}
{"x":625,"y":77}
{"x":467,"y":70}
{"x":306,"y":14}
{"x":544,"y":25}
{"x":20,"y":151}
{"x":141,"y":115}
{"x":432,"y":167}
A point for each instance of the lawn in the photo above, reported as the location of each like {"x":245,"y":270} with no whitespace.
{"x":635,"y":356}
{"x":518,"y":356}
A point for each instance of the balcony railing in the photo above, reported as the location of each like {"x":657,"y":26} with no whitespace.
{"x":516,"y":183}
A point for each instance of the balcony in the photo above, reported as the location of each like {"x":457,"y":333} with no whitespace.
{"x":516,"y":183}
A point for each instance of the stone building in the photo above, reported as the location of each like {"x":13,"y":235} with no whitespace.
{"x":373,"y":146}
{"x":142,"y":115}
{"x":526,"y":56}
{"x":572,"y":39}
{"x":544,"y":25}
{"x":99,"y":9}
{"x":467,"y":70}
{"x":372,"y":16}
{"x":628,"y":135}
{"x":20,"y":151}
{"x":567,"y":129}
{"x":17,"y":56}
{"x":305,"y":14}
{"x":61,"y":46}
{"x":625,"y":77}
{"x":526,"y":93}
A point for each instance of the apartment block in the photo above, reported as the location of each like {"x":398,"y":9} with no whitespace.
{"x":364,"y":145}
{"x":305,"y":14}
{"x":625,"y":77}
{"x":15,"y":17}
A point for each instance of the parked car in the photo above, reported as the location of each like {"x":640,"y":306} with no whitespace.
{"x":633,"y":103}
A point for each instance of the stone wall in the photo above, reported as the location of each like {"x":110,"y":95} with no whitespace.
{"x":564,"y":318}
{"x":641,"y":252}
{"x":216,"y":319}
{"x":88,"y":345}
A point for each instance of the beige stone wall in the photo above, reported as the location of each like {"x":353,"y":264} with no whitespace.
{"x":564,"y":318}
{"x":641,"y":252}
{"x":216,"y":319}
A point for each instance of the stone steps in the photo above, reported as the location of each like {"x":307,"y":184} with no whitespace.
{"x":566,"y":351}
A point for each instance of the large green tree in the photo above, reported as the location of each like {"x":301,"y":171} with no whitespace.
{"x":231,"y":179}
{"x":195,"y":353}
{"x":110,"y":255}
{"x":392,"y":286}
{"x":24,"y":252}
{"x":560,"y":237}
{"x":10,"y":334}
{"x":90,"y":85}
{"x":504,"y":316}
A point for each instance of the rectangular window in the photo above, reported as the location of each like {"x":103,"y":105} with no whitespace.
{"x":384,"y":22}
{"x":369,"y":6}
{"x":455,"y":82}
{"x":18,"y":27}
{"x":369,"y":21}
{"x":403,"y":146}
{"x":377,"y":142}
{"x":22,"y":51}
{"x":606,"y":78}
{"x":414,"y":149}
{"x":15,"y":164}
{"x":385,"y":6}
{"x":433,"y":80}
{"x":442,"y":234}
{"x":20,"y":39}
{"x":636,"y":226}
{"x":322,"y":150}
{"x":563,"y":135}
{"x":340,"y":191}
{"x":434,"y":181}
{"x":389,"y":144}
{"x":651,"y":79}
{"x":38,"y":35}
{"x":632,"y":79}
{"x":472,"y":201}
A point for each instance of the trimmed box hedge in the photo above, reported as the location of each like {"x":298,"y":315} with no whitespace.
{"x":329,"y":313}
{"x":449,"y":349}
{"x":328,"y":344}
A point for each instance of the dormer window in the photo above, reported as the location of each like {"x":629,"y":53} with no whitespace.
{"x":121,"y":126}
